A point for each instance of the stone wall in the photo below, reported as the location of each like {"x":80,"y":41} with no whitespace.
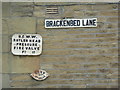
{"x":74,"y":57}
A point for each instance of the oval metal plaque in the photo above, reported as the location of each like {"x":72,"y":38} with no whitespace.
{"x":39,"y":75}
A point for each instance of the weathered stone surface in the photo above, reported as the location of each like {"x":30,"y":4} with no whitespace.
{"x":74,"y":57}
{"x":24,"y":77}
{"x":5,"y":27}
{"x":0,"y":64}
{"x":5,"y":43}
{"x":1,"y":44}
{"x":24,"y":64}
{"x":6,"y":63}
{"x":5,"y":81}
{"x":113,"y":19}
{"x":105,"y":7}
{"x":111,"y":26}
{"x":81,"y":7}
{"x":6,"y":9}
{"x":40,"y":25}
{"x":68,"y":12}
{"x":54,"y":3}
{"x":39,"y":11}
{"x":21,"y":3}
{"x":91,"y":13}
{"x":22,"y":25}
{"x":109,"y":13}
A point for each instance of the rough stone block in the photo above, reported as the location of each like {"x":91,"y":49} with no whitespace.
{"x":1,"y":44}
{"x":105,"y":7}
{"x":56,"y":52}
{"x":110,"y":39}
{"x":5,"y":81}
{"x":21,"y":3}
{"x":53,"y":3}
{"x":98,"y":58}
{"x":103,"y":45}
{"x":68,"y":12}
{"x":40,"y":25}
{"x":108,"y":13}
{"x":91,"y":13}
{"x":0,"y":63}
{"x":78,"y":14}
{"x":113,"y":19}
{"x":106,"y":35}
{"x":79,"y":86}
{"x":5,"y":44}
{"x":94,"y":66}
{"x":81,"y":7}
{"x":24,"y":64}
{"x":17,"y":77}
{"x":76,"y":59}
{"x":5,"y":26}
{"x":6,"y":63}
{"x":6,"y":9}
{"x":39,"y":11}
{"x":21,"y":9}
{"x":22,"y":84}
{"x":22,"y":25}
{"x":111,"y":25}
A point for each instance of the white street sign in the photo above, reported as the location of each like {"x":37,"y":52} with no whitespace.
{"x":69,"y":23}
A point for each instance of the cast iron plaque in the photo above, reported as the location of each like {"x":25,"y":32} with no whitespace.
{"x":26,"y":44}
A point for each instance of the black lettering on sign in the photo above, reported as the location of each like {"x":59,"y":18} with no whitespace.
{"x":35,"y":48}
{"x":26,"y":48}
{"x":48,"y":23}
{"x":38,"y":48}
{"x":33,"y":36}
{"x":14,"y":47}
{"x":35,"y":44}
{"x":39,"y":41}
{"x":78,"y":22}
{"x":29,"y":48}
{"x":23,"y":40}
{"x":36,"y":41}
{"x":94,"y":22}
{"x":22,"y":36}
{"x":30,"y":44}
{"x":27,"y":44}
{"x":89,"y":22}
{"x":27,"y":36}
{"x":19,"y":36}
{"x":33,"y":51}
{"x":23,"y":51}
{"x":19,"y":47}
